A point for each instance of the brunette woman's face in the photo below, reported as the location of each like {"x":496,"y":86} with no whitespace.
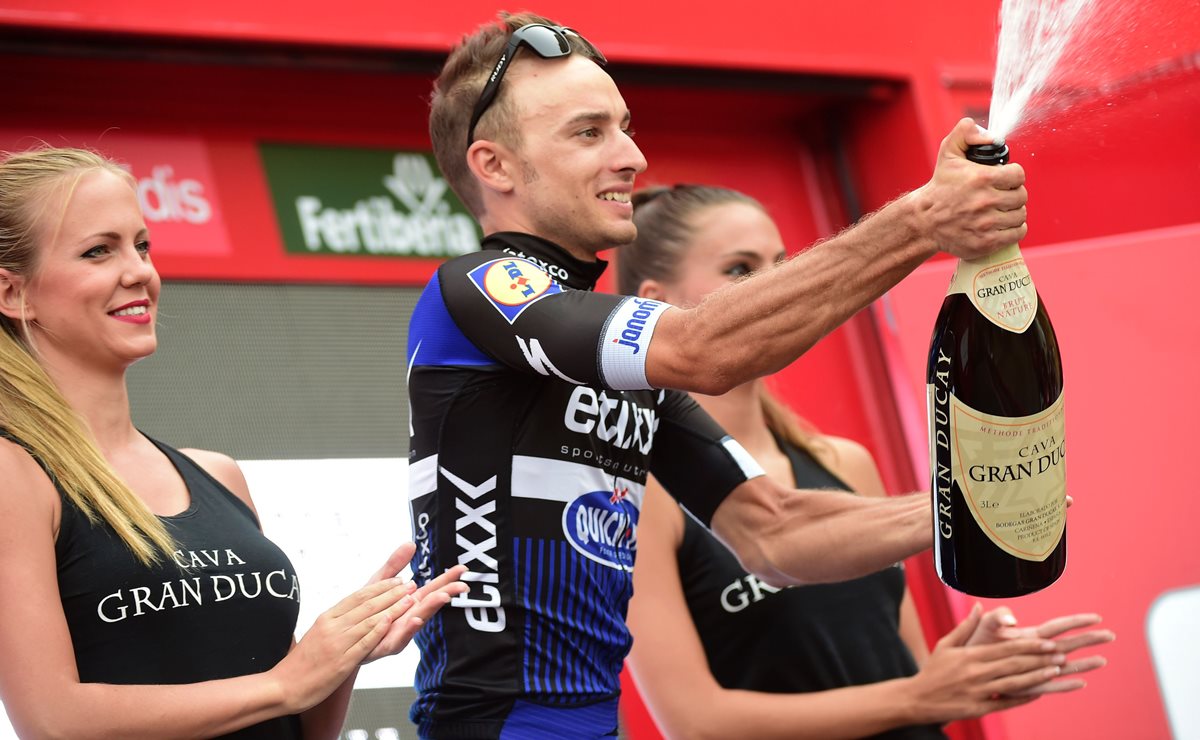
{"x":93,"y":293}
{"x":729,"y":241}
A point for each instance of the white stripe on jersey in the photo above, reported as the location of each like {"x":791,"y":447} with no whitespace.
{"x":748,"y":464}
{"x":422,"y":477}
{"x":626,"y":341}
{"x":558,"y":480}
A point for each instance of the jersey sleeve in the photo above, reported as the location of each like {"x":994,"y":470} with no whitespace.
{"x":511,"y":309}
{"x":694,"y":459}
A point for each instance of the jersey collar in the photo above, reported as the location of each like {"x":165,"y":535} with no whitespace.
{"x":579,"y":274}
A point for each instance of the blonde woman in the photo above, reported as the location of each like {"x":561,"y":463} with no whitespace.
{"x":138,"y":596}
{"x":718,"y":653}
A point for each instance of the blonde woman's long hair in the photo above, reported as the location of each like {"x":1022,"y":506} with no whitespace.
{"x":32,"y":409}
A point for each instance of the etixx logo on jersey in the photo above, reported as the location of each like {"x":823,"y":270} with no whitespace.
{"x":602,"y":525}
{"x":512,"y":285}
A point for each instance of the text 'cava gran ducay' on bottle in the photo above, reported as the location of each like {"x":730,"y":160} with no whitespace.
{"x":995,"y":388}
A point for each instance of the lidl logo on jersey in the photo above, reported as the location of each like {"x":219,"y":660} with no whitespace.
{"x":512,"y":285}
{"x":602,"y":525}
{"x":370,"y":202}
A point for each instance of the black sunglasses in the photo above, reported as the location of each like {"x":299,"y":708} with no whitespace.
{"x":548,"y":42}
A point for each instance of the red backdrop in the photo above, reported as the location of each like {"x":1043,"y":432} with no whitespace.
{"x":822,"y":110}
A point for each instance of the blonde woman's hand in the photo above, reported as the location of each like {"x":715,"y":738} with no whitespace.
{"x":376,"y":620}
{"x":999,"y":624}
{"x":426,"y":601}
{"x":960,"y":680}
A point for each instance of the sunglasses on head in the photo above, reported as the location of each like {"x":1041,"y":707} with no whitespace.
{"x":548,"y":42}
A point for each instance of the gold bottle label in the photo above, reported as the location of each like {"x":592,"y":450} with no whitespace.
{"x":1000,"y":287}
{"x":1011,"y":471}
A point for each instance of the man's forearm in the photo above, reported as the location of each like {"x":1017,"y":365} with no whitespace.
{"x":793,"y":537}
{"x":758,"y":326}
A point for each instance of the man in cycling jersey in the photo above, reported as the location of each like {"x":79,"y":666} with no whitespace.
{"x":537,"y":404}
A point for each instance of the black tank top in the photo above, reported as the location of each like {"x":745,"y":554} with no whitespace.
{"x":799,"y":639}
{"x":225,"y":607}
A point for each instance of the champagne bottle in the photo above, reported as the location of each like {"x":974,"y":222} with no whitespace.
{"x":995,"y":391}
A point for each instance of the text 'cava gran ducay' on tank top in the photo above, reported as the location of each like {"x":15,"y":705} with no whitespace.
{"x":798,"y":639}
{"x":224,"y":605}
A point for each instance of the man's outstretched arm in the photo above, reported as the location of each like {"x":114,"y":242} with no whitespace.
{"x":788,"y":537}
{"x":758,"y":326}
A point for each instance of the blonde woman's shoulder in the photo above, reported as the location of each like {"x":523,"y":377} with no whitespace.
{"x":852,"y":462}
{"x":225,"y":469}
{"x":26,"y":490}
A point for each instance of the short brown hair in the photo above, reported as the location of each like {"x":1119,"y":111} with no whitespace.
{"x":457,"y":90}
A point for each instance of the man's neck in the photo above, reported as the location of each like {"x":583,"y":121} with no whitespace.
{"x":579,"y":253}
{"x":564,"y":267}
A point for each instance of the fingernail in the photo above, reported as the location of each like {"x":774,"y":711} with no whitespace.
{"x":1059,"y":659}
{"x":1049,"y":645}
{"x":1008,"y":620}
{"x":1052,"y":671}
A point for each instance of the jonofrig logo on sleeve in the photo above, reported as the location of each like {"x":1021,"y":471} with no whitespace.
{"x":351,"y":201}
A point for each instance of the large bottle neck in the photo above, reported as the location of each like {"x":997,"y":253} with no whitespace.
{"x":1004,"y":254}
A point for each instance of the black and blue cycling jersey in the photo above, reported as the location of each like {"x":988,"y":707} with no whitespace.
{"x":533,"y":430}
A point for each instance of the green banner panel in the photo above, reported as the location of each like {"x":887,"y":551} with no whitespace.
{"x":368,"y":202}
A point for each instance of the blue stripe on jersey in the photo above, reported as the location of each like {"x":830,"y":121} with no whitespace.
{"x":560,"y":680}
{"x":431,"y":640}
{"x":575,"y":643}
{"x":536,"y":722}
{"x":440,"y":340}
{"x":431,"y":669}
{"x":542,"y":638}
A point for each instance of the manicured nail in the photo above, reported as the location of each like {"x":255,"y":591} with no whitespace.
{"x":1058,"y":659}
{"x":1052,"y":671}
{"x":1049,"y":645}
{"x":1008,"y":620}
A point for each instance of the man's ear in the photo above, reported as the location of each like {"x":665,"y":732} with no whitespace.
{"x":12,"y":296}
{"x":493,"y":165}
{"x":651,"y":289}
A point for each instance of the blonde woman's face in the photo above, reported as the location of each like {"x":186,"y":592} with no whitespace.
{"x":92,"y":298}
{"x":730,"y":241}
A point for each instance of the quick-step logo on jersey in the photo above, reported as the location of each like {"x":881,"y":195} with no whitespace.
{"x":626,"y":337}
{"x":512,"y":285}
{"x":602,"y":525}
